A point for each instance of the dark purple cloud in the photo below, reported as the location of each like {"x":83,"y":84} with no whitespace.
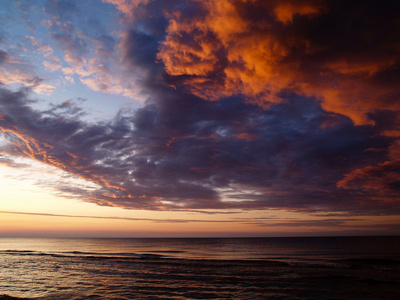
{"x":180,"y":152}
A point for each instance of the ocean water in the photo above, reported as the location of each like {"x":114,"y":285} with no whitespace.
{"x":245,"y":268}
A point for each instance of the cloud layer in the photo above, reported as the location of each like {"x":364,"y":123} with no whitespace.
{"x":344,"y":54}
{"x":250,"y":105}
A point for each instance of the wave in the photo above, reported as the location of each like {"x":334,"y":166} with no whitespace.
{"x":16,"y":251}
{"x":153,"y":256}
{"x":374,"y":263}
{"x":8,"y":297}
{"x":82,"y":254}
{"x":276,"y":261}
{"x":111,"y":255}
{"x":169,"y":251}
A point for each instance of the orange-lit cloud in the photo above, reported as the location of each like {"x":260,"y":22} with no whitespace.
{"x":383,"y":179}
{"x":286,"y":10}
{"x":261,"y":50}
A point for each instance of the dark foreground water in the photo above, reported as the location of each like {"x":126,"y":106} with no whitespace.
{"x":250,"y":268}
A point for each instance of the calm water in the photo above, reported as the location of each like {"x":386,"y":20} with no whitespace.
{"x":253,"y":268}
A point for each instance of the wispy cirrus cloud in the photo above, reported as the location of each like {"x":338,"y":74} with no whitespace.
{"x":267,"y":221}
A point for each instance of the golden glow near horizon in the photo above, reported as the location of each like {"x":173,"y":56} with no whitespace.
{"x":29,"y":210}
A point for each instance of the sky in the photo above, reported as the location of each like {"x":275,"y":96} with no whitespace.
{"x":199,"y":118}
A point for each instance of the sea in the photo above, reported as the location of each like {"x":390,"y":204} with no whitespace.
{"x":201,"y":268}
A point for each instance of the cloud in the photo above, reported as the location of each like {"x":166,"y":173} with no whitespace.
{"x":382,"y":178}
{"x":180,"y":152}
{"x":62,"y":11}
{"x":9,"y":162}
{"x":75,"y":48}
{"x":44,"y":89}
{"x":259,"y":222}
{"x":285,"y":11}
{"x":128,"y":7}
{"x":92,"y":57}
{"x":52,"y":63}
{"x":16,"y":71}
{"x":247,"y":105}
{"x":330,"y":50}
{"x":39,"y":46}
{"x":158,"y":220}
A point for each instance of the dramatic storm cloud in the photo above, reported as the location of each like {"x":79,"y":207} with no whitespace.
{"x":245,"y":105}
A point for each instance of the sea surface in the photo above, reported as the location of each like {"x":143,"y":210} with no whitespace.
{"x":215,"y":268}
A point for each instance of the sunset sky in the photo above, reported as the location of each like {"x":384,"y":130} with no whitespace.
{"x":203,"y":118}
